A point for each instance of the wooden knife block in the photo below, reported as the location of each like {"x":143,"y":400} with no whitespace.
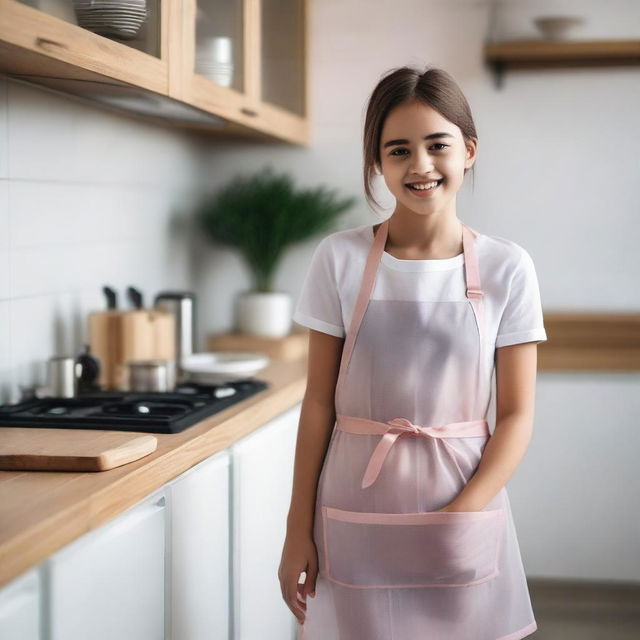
{"x":139,"y":334}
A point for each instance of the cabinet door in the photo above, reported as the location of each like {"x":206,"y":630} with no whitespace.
{"x":199,"y":505}
{"x":111,"y":582}
{"x":262,"y":475}
{"x":20,"y":608}
{"x":212,"y":72}
{"x":245,"y":61}
{"x":282,"y":55}
{"x":218,"y":49}
{"x":76,"y":45}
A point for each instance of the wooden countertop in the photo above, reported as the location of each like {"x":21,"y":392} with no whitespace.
{"x":43,"y":511}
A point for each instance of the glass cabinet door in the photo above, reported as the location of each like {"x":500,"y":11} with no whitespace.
{"x":134,"y":23}
{"x":283,"y":54}
{"x":219,"y":42}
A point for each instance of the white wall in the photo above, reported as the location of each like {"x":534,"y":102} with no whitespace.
{"x":557,"y":172}
{"x":87,"y":198}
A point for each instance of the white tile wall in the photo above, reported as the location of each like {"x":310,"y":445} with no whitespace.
{"x":4,"y":132}
{"x":5,"y":239}
{"x":87,"y":198}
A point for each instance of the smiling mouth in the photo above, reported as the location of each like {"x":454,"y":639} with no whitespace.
{"x":422,"y":189}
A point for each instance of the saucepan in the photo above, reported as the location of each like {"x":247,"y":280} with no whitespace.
{"x":150,"y":375}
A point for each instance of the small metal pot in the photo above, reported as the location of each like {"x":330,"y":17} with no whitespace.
{"x":150,"y":375}
{"x":61,"y":377}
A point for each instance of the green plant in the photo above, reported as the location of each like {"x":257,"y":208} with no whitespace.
{"x":264,"y":214}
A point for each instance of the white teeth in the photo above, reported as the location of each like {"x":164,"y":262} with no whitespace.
{"x":423,"y":187}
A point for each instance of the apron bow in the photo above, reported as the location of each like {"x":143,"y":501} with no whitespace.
{"x":399,"y":427}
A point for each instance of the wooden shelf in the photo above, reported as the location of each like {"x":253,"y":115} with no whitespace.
{"x":590,"y":342}
{"x":545,"y":54}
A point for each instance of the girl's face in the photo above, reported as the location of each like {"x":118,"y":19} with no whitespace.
{"x":418,"y":144}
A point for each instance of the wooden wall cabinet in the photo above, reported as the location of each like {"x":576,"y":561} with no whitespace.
{"x":168,"y":72}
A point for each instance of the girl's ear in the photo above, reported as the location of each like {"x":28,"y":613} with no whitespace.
{"x":472,"y":149}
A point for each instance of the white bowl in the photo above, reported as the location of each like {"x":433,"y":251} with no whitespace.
{"x":219,"y":49}
{"x":557,"y":27}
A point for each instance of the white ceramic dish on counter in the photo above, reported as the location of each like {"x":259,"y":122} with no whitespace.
{"x":221,"y":366}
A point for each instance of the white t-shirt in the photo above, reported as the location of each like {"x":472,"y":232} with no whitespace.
{"x":513,"y":310}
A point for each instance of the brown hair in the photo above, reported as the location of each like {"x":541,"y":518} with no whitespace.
{"x":433,"y":87}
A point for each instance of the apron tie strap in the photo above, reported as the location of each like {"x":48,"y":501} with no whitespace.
{"x":401,"y":427}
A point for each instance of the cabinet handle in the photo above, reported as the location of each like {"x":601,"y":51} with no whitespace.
{"x":248,"y":112}
{"x":43,"y":42}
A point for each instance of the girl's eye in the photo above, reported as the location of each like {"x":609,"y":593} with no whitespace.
{"x":437,"y":144}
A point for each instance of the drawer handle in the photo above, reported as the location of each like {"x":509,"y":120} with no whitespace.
{"x":43,"y":42}
{"x":248,"y":112}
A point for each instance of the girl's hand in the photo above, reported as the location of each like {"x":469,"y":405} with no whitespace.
{"x":298,"y":554}
{"x":453,"y":506}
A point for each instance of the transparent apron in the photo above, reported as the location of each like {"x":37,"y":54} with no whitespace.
{"x":411,"y":402}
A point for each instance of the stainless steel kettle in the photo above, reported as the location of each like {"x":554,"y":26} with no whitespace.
{"x":183,"y":306}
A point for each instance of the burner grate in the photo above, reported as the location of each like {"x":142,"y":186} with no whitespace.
{"x":152,"y":412}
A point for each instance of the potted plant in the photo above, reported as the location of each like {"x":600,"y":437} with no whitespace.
{"x":262,"y":215}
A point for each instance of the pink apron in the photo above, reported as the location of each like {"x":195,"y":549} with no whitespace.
{"x":412,"y":397}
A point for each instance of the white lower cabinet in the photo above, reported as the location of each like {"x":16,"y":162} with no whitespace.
{"x":110,"y":583}
{"x":262,"y":477}
{"x":196,"y":560}
{"x":199,"y":506}
{"x":20,"y":608}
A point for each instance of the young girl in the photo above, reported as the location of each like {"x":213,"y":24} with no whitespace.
{"x":399,"y":513}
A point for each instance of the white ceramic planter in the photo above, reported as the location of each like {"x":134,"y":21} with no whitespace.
{"x":264,"y":313}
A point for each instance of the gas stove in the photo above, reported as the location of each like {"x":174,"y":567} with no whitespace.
{"x":148,"y":412}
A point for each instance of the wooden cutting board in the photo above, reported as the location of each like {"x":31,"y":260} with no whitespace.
{"x":31,"y":449}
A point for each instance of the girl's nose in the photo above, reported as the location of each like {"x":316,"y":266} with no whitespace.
{"x":421,"y":163}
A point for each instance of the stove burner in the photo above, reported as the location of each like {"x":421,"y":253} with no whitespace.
{"x":148,"y":408}
{"x":56,"y":411}
{"x":220,"y":391}
{"x":61,"y":406}
{"x":149,"y":412}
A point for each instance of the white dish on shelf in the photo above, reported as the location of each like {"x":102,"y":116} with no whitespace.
{"x":219,"y":366}
{"x":116,"y":15}
{"x":557,"y":27}
{"x":218,"y":49}
{"x":97,"y":5}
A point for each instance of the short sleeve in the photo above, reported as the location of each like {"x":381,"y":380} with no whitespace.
{"x":522,"y":319}
{"x":319,"y":305}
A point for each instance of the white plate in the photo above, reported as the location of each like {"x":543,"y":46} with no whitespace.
{"x":237,"y":364}
{"x":111,"y":18}
{"x":107,"y":6}
{"x":111,"y":25}
{"x":112,"y":11}
{"x":123,"y":23}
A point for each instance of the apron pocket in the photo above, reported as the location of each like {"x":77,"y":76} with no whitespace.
{"x":429,"y":549}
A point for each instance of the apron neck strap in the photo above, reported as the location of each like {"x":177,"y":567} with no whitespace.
{"x":471,"y":269}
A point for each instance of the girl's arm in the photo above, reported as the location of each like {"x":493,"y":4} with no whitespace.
{"x":314,"y":431}
{"x":515,"y":397}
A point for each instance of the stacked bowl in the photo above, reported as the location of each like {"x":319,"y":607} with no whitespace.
{"x":118,"y":18}
{"x":214,"y":59}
